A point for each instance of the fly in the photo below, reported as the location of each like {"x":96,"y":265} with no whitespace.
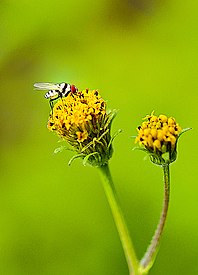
{"x":55,"y":91}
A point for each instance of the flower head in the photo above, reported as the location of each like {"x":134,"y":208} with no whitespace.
{"x":81,"y":119}
{"x":158,"y":136}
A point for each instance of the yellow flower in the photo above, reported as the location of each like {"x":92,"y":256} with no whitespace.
{"x":158,"y":136}
{"x":81,"y":119}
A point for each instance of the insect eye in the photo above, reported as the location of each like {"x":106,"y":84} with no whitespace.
{"x":73,"y":88}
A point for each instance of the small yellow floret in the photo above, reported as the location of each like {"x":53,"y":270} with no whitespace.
{"x":163,"y":118}
{"x":154,"y":133}
{"x":154,"y":118}
{"x":147,"y":131}
{"x":157,"y":144}
{"x":171,"y":121}
{"x":81,"y":136}
{"x":160,"y":135}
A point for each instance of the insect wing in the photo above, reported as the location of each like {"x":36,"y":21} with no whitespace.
{"x":43,"y":86}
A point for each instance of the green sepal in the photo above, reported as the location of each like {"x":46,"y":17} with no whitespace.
{"x":75,"y":157}
{"x":183,"y":131}
{"x":86,"y":158}
{"x":99,"y":150}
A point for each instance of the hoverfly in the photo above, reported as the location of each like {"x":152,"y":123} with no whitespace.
{"x":55,"y":91}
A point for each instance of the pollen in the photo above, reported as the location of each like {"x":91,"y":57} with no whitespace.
{"x":158,"y":133}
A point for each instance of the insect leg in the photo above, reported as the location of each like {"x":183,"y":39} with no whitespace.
{"x":51,"y":105}
{"x":61,"y":96}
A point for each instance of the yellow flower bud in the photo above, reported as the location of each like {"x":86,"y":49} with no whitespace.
{"x":159,"y":136}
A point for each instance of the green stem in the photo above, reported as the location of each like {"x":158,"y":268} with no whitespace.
{"x":149,"y":257}
{"x":127,"y":244}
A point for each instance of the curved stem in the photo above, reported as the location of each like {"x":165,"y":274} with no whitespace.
{"x":127,"y":244}
{"x":149,"y":257}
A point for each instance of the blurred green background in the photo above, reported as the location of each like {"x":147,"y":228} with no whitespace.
{"x":142,"y":56}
